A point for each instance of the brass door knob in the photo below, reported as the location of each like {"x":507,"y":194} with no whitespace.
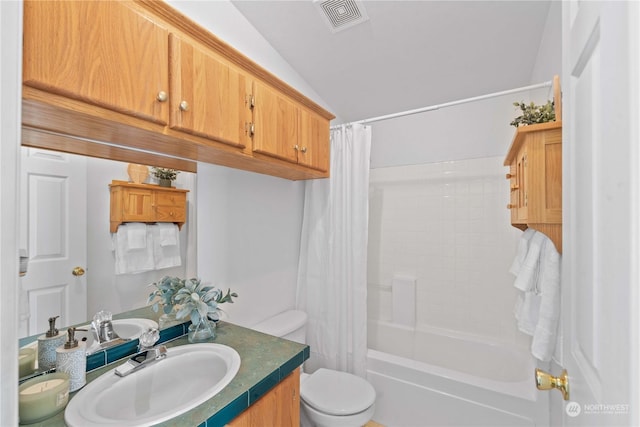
{"x":546,"y":381}
{"x":78,"y":271}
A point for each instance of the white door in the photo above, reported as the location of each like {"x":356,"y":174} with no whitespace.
{"x":601,"y":209}
{"x":53,"y":212}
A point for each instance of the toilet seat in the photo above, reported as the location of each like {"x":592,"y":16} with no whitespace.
{"x":337,"y":393}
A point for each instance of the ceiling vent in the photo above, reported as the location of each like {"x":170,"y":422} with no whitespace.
{"x":342,"y":14}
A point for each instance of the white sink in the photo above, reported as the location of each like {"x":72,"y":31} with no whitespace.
{"x":189,"y":375}
{"x":125,"y":328}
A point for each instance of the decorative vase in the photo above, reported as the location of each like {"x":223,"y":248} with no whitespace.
{"x":137,"y":173}
{"x":164,"y":182}
{"x":203,"y":331}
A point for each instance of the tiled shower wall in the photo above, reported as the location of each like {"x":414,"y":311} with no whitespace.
{"x":447,"y":225}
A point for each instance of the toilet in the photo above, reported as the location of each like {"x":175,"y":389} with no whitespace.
{"x":328,"y":398}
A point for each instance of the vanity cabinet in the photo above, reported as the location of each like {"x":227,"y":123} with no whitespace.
{"x":138,"y":74}
{"x":146,"y":203}
{"x":279,"y":407}
{"x":118,"y":62}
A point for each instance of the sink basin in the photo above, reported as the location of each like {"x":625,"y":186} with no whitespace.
{"x":189,"y":375}
{"x":125,"y":328}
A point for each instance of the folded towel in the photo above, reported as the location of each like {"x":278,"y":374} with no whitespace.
{"x":166,"y":256}
{"x":528,"y":275}
{"x":544,"y":337}
{"x":128,"y":259}
{"x":136,"y":235}
{"x":169,"y":234}
{"x":537,"y":310}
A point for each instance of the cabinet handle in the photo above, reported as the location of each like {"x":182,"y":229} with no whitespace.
{"x":509,"y":176}
{"x":162,"y":96}
{"x":250,"y":101}
{"x":303,"y":149}
{"x":184,"y":106}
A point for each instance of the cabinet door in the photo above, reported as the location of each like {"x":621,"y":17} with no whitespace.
{"x":279,"y":407}
{"x":314,"y":141}
{"x":207,"y":95}
{"x":137,"y":205}
{"x":170,"y":206}
{"x":100,"y":52}
{"x":275,"y":124}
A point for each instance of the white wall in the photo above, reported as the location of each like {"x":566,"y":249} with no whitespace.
{"x":248,"y":224}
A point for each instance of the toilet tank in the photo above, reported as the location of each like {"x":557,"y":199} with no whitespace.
{"x":290,"y":324}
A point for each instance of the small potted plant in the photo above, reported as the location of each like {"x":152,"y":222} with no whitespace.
{"x":533,"y":114}
{"x":194,"y":299}
{"x":165,"y":176}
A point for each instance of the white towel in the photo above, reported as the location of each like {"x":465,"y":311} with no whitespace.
{"x":136,"y":235}
{"x":166,"y":255}
{"x":523,"y":247}
{"x":538,"y":308}
{"x":169,"y":234}
{"x":128,"y":259}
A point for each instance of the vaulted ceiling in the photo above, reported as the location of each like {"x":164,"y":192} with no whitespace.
{"x":408,"y":54}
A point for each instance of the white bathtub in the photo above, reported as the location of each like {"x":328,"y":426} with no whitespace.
{"x":451,"y":381}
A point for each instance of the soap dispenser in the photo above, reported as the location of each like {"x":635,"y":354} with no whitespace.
{"x":47,"y":345}
{"x":71,"y":359}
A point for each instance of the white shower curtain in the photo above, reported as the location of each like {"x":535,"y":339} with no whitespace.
{"x":332,"y":271}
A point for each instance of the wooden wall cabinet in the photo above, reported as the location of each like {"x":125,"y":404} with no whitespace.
{"x":535,"y":176}
{"x":279,"y":407}
{"x":118,"y":61}
{"x":146,"y":203}
{"x":137,"y":73}
{"x":286,"y":130}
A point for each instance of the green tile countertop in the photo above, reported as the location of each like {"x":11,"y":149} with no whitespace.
{"x":264,"y":361}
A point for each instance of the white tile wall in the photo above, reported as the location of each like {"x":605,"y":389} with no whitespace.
{"x":447,"y":225}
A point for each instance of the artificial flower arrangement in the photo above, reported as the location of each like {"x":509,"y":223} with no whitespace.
{"x":189,"y":297}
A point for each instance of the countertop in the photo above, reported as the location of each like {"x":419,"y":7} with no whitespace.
{"x":265,"y":361}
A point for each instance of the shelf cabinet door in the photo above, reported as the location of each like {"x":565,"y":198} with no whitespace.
{"x":275,"y":124}
{"x":100,"y":52}
{"x":207,"y":96}
{"x":137,"y":205}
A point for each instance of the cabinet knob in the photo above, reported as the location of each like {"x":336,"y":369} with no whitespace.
{"x":171,"y":213}
{"x":295,"y":147}
{"x":303,"y":149}
{"x":250,"y":128}
{"x":510,"y":206}
{"x":184,"y":106}
{"x":509,"y":176}
{"x":515,"y":187}
{"x":162,"y":96}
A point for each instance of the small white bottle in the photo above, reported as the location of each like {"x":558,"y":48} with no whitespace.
{"x":47,"y":345}
{"x":71,"y":359}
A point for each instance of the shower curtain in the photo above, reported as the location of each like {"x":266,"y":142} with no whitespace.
{"x":332,"y":270}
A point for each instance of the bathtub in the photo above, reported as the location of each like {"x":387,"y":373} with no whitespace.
{"x":450,"y":380}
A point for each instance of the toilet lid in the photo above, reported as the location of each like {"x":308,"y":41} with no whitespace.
{"x":337,"y":393}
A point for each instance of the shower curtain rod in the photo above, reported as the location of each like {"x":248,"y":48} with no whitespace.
{"x":452,"y":103}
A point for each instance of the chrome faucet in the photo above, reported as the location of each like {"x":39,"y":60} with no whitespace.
{"x":103,"y":328}
{"x":141,"y":360}
{"x":147,"y":354}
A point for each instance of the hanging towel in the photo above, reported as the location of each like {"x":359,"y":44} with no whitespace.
{"x":136,"y":235}
{"x":537,"y":309}
{"x":523,"y":248}
{"x":130,"y":258}
{"x":166,"y":248}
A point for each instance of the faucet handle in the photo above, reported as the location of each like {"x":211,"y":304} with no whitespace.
{"x":149,"y":338}
{"x":102,"y":316}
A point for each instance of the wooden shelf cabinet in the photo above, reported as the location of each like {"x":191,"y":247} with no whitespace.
{"x":146,"y":203}
{"x":535,"y":176}
{"x":279,"y":407}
